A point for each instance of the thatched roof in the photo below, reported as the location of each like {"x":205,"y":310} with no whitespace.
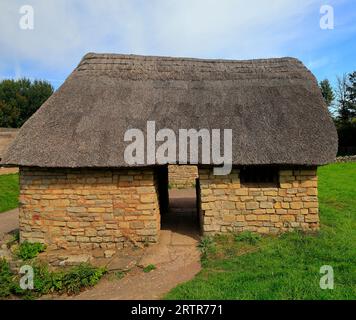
{"x":273,"y":106}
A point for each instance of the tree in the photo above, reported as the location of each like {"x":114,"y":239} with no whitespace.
{"x":346,"y":107}
{"x":342,"y":102}
{"x":351,"y":95}
{"x":19,"y":99}
{"x":327,"y":92}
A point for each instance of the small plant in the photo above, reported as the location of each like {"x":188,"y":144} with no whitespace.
{"x":28,"y":250}
{"x":206,"y":246}
{"x":249,"y":237}
{"x":149,"y":268}
{"x":16,"y":235}
{"x":119,"y":275}
{"x":83,"y":275}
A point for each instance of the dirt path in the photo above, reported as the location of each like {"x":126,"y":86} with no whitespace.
{"x":176,"y":257}
{"x":177,"y":260}
{"x":8,"y":170}
{"x":9,"y":221}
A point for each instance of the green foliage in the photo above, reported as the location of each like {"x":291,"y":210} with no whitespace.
{"x":81,"y":276}
{"x":46,"y":281}
{"x":6,"y":282}
{"x":351,"y":94}
{"x":28,"y":250}
{"x":149,"y":268}
{"x":341,"y":102}
{"x":288,"y":267}
{"x":346,"y":120}
{"x":16,"y":236}
{"x":206,"y":246}
{"x":9,"y":283}
{"x":346,"y":98}
{"x":327,"y":92}
{"x":119,"y":275}
{"x":249,"y":237}
{"x":19,"y":99}
{"x":71,"y":281}
{"x":9,"y":192}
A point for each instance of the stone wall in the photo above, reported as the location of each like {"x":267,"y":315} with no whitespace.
{"x":182,"y":176}
{"x":346,"y":159}
{"x":227,"y":205}
{"x":88,"y":209}
{"x":108,"y":209}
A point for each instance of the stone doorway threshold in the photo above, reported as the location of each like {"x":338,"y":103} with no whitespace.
{"x":176,"y":258}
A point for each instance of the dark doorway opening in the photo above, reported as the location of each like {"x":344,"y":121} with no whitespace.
{"x":179,"y":207}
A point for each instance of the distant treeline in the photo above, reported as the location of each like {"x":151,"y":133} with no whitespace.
{"x":19,"y":99}
{"x":341,"y":102}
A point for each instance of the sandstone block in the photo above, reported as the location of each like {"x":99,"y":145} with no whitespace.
{"x":252,"y":205}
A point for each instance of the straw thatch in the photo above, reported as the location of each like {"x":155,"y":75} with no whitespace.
{"x":273,"y":106}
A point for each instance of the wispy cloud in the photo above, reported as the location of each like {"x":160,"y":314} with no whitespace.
{"x":67,"y":29}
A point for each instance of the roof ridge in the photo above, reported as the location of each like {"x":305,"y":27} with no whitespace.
{"x":120,"y":56}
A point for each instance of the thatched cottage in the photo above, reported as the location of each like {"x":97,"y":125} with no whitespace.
{"x":77,"y":191}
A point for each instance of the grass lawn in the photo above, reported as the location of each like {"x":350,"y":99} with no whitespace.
{"x":9,"y":192}
{"x":287,"y":267}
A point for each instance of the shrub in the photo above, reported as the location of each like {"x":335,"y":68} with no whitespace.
{"x":28,"y":250}
{"x":9,"y":282}
{"x":5,"y":279}
{"x":249,"y":237}
{"x":46,"y":281}
{"x":81,"y":276}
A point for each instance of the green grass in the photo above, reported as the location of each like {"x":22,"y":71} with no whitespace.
{"x":286,"y":267}
{"x":9,"y":192}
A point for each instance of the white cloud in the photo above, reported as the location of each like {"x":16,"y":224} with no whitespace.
{"x":64,"y":30}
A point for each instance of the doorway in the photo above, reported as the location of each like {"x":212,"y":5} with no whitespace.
{"x":178,"y":206}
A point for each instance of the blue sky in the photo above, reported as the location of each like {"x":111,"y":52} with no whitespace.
{"x":64,"y":30}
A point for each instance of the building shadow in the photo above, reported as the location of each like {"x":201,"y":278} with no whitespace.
{"x":182,"y":216}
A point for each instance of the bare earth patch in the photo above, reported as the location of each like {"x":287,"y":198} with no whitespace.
{"x":175,"y":263}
